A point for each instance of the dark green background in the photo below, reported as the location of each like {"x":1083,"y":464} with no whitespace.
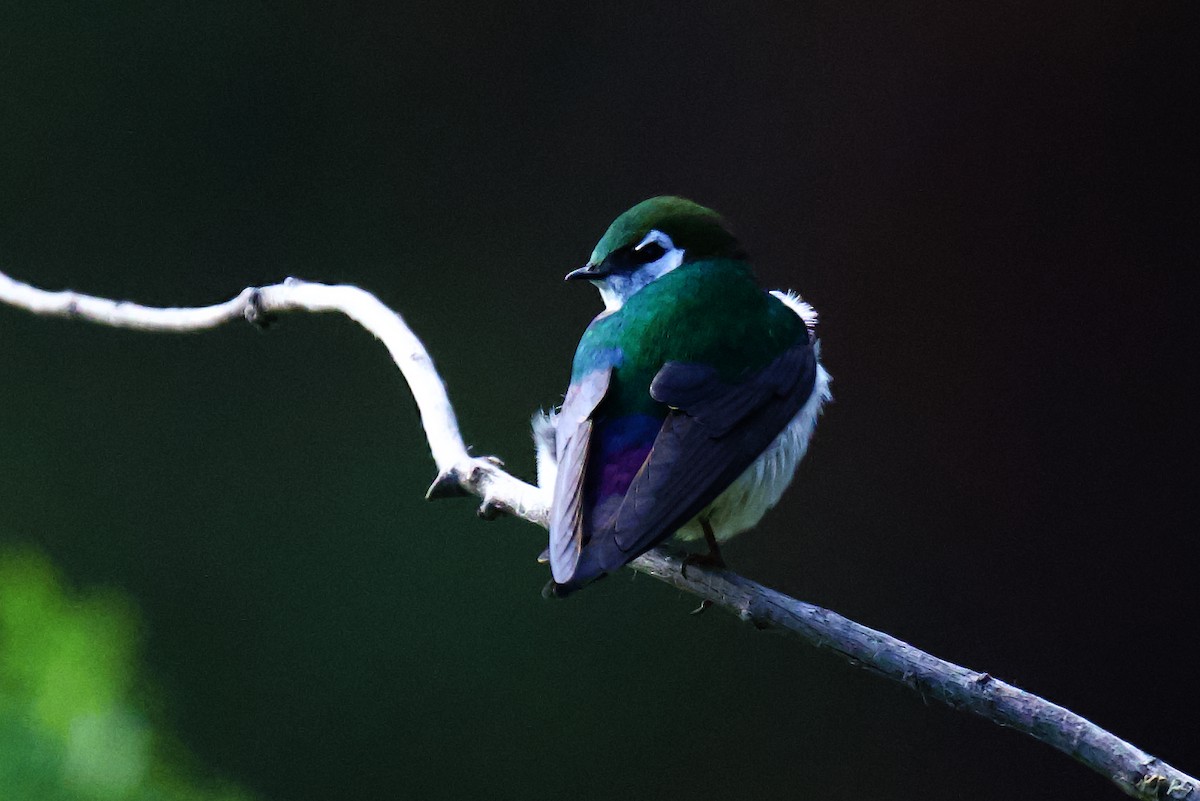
{"x":987,"y":206}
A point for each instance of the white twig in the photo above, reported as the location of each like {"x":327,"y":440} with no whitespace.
{"x":1134,"y":771}
{"x":458,"y":471}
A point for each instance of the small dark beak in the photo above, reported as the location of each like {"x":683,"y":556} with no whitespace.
{"x":587,"y":272}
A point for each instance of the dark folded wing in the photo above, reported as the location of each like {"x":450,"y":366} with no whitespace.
{"x":715,"y":430}
{"x":573,"y":434}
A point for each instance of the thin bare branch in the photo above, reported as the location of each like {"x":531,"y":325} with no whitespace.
{"x":1133,"y":770}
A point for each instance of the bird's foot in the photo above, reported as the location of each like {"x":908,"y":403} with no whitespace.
{"x":706,"y":560}
{"x":710,"y":559}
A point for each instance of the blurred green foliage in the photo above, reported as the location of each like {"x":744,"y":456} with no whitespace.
{"x":71,"y":699}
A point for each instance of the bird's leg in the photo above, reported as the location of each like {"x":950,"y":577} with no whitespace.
{"x":714,"y":550}
{"x":712,"y":558}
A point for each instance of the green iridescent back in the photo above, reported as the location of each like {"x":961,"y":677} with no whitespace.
{"x":710,"y":312}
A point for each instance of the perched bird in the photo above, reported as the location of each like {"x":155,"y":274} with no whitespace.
{"x":692,"y":399}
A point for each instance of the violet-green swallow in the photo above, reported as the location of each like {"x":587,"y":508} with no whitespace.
{"x":692,"y":399}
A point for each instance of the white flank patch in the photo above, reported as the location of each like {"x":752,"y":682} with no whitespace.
{"x":792,"y":300}
{"x":544,"y":424}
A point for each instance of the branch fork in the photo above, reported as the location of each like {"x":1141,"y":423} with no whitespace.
{"x":477,"y":476}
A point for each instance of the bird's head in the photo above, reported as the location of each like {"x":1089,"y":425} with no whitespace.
{"x":650,"y":240}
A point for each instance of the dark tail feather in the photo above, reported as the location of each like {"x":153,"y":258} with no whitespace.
{"x":587,"y":573}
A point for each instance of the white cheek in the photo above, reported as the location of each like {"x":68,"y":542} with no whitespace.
{"x":657,"y":269}
{"x":616,"y":289}
{"x":612,"y":296}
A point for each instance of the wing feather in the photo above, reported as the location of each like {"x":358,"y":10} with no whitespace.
{"x":715,"y":430}
{"x":572,"y":440}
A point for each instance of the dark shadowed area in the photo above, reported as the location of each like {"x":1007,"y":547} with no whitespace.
{"x":993,"y":209}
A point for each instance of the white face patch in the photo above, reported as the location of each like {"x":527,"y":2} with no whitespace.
{"x":617,"y":288}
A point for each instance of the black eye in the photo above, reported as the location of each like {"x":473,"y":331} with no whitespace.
{"x":649,"y":252}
